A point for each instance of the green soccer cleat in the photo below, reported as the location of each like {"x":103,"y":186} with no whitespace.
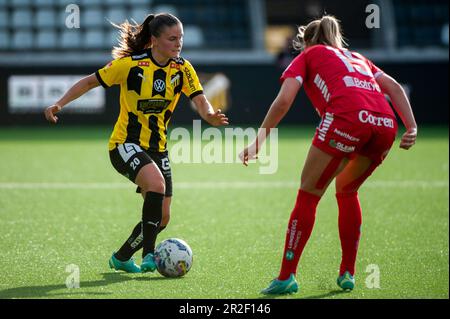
{"x":279,"y":287}
{"x":148,"y":263}
{"x":346,"y":281}
{"x":127,"y":266}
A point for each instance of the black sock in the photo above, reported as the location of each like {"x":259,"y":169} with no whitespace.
{"x":151,"y":220}
{"x":132,"y":244}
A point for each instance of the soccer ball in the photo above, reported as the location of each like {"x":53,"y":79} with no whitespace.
{"x":173,"y":257}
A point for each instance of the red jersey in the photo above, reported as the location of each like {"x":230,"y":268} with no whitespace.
{"x":338,"y":81}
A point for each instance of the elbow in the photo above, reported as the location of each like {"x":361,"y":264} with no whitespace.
{"x":395,"y":91}
{"x":397,"y":88}
{"x":393,"y":88}
{"x":282,"y":105}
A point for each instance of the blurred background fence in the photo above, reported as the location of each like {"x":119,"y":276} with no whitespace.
{"x":238,"y":47}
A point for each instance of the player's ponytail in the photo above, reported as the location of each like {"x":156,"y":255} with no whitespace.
{"x":137,"y":37}
{"x":326,"y":31}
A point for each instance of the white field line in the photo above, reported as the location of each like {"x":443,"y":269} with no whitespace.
{"x":217,"y":185}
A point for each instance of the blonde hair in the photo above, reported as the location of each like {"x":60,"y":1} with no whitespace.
{"x":136,"y":37}
{"x":326,"y":31}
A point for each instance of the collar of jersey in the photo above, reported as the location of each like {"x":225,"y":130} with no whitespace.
{"x":149,"y":51}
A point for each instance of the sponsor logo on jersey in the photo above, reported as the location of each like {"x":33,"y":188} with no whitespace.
{"x":346,"y":135}
{"x":142,"y":76}
{"x":159,"y":85}
{"x":152,"y":106}
{"x":361,"y":84}
{"x":342,"y":147}
{"x":143,"y":63}
{"x":366,"y":117}
{"x":190,"y":79}
{"x":174,"y":65}
{"x":175,"y":79}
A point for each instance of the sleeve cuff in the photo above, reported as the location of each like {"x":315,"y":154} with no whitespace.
{"x":99,"y":78}
{"x":377,"y":75}
{"x":298,"y":78}
{"x":195,"y":94}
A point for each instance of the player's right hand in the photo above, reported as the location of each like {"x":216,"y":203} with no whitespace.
{"x":408,"y":139}
{"x":50,"y":113}
{"x":249,"y":153}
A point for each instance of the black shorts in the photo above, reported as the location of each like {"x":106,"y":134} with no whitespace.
{"x":129,"y":158}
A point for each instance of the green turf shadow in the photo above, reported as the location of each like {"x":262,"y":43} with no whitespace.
{"x":45,"y":291}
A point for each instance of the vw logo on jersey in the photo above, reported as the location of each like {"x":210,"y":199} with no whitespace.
{"x":159,"y":85}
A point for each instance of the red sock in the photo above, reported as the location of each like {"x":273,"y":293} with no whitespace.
{"x":299,"y":229}
{"x":350,"y":220}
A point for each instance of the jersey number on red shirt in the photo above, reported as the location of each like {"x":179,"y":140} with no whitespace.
{"x":352,"y":63}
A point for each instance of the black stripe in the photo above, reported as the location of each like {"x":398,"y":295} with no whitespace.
{"x":99,"y":78}
{"x":159,"y":76}
{"x":155,"y":137}
{"x":195,"y":94}
{"x":133,"y":129}
{"x":134,"y":81}
{"x":167,"y":117}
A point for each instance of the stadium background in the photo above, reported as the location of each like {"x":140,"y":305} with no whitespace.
{"x":239,"y":44}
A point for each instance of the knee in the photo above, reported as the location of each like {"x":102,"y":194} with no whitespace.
{"x":157,"y":186}
{"x":307,"y":187}
{"x":346,"y":189}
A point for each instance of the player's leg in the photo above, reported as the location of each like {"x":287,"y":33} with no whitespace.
{"x":319,"y":170}
{"x":152,"y":184}
{"x":350,"y":215}
{"x":166,"y":213}
{"x":165,"y":216}
{"x":135,"y":242}
{"x":348,"y":182}
{"x":131,"y":161}
{"x":162,"y":160}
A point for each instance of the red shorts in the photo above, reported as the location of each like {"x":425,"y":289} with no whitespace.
{"x":361,"y":132}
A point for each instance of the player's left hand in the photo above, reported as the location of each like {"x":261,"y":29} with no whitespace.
{"x":217,"y":118}
{"x":408,"y":139}
{"x":50,"y":113}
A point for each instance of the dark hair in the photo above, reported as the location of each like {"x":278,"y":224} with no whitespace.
{"x":326,"y":31}
{"x":135,"y":37}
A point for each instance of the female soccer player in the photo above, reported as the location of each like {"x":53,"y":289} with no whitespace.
{"x":152,"y":75}
{"x":357,"y":130}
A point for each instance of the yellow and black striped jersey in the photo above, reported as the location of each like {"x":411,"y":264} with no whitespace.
{"x":149,"y":93}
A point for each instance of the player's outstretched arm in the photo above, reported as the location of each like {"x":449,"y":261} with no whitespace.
{"x":276,"y":113}
{"x":78,"y":89}
{"x":403,"y":108}
{"x":207,"y":113}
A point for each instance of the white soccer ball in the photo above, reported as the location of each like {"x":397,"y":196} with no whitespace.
{"x":173,"y":257}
